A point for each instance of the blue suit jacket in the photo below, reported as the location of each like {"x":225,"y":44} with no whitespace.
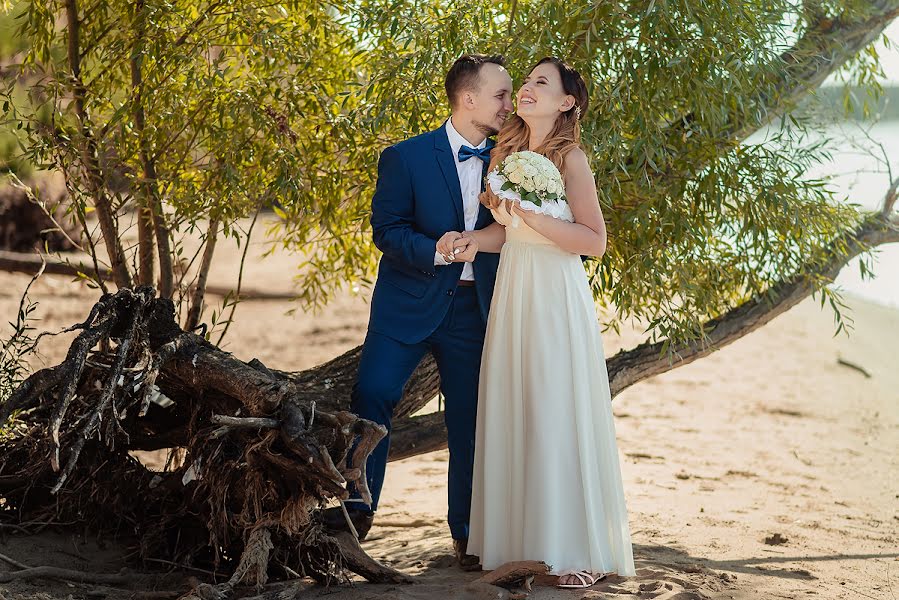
{"x":417,"y":199}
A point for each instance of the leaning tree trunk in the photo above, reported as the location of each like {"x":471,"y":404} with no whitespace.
{"x":261,"y":452}
{"x":416,"y":434}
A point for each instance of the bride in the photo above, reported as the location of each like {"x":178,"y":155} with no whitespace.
{"x":547,"y":483}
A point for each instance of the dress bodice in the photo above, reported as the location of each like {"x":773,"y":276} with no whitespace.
{"x":519,"y":231}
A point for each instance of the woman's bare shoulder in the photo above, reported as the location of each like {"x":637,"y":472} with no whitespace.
{"x":576,"y":162}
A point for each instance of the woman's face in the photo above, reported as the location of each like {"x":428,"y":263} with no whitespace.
{"x":541,"y":95}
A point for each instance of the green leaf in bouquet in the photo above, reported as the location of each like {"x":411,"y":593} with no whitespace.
{"x":507,"y":186}
{"x":532,"y":197}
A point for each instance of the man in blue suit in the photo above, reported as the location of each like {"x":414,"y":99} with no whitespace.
{"x":425,"y":299}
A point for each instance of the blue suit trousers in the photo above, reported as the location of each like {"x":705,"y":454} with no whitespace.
{"x":387,"y":364}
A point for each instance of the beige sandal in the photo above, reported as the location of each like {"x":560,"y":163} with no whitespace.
{"x":585,"y":579}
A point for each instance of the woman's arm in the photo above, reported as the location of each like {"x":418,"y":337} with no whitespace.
{"x":490,"y":238}
{"x":587,"y":235}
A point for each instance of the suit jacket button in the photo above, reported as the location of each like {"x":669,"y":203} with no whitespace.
{"x":449,"y":292}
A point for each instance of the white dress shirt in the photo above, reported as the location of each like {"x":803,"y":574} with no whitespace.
{"x":470,"y":175}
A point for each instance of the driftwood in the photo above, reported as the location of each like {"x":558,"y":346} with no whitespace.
{"x":511,"y":581}
{"x":261,"y":452}
{"x":514,"y":573}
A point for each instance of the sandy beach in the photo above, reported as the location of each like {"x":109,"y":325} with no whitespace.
{"x":768,"y":470}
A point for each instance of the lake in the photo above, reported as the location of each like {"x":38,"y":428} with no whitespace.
{"x":863,"y":179}
{"x":860,"y":177}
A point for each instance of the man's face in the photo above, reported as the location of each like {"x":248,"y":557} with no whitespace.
{"x":491,"y":104}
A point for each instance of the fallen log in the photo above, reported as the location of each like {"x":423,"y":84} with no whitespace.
{"x":262,"y":453}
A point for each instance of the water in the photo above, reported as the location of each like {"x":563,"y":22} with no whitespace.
{"x":862,"y":178}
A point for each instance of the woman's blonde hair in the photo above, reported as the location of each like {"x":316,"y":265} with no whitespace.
{"x":565,"y":134}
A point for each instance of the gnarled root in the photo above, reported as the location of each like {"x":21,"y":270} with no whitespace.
{"x":259,"y":457}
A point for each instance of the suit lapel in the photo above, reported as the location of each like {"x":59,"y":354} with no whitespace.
{"x":450,"y":174}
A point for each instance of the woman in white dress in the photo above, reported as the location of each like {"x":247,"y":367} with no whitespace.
{"x":547,"y":483}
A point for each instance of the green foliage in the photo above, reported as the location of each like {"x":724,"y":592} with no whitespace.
{"x":695,"y":228}
{"x":15,"y":349}
{"x":10,"y":42}
{"x":253,"y":104}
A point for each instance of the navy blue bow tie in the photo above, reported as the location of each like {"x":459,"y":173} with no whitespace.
{"x":466,"y":152}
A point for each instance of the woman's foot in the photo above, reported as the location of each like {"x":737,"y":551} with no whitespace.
{"x":579,"y":579}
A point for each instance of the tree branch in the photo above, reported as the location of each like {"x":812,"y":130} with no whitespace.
{"x":196,"y":301}
{"x":823,"y":48}
{"x":417,"y":435}
{"x":889,"y":200}
{"x":145,"y":221}
{"x":151,"y":202}
{"x":121,"y":274}
{"x":628,"y":367}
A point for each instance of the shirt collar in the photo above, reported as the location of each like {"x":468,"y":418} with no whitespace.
{"x":457,"y":141}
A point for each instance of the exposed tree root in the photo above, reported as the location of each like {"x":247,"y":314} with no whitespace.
{"x":261,"y":454}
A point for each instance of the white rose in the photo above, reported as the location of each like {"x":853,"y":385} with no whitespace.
{"x":555,"y":187}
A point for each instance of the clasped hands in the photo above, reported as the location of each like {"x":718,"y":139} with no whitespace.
{"x":457,"y":247}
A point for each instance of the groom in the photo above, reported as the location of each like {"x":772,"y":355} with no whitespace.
{"x":427,"y":192}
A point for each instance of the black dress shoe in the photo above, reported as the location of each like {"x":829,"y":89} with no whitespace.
{"x":334,"y":520}
{"x":466,"y":562}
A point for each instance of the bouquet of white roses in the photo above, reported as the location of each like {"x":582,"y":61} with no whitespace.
{"x":534,"y":182}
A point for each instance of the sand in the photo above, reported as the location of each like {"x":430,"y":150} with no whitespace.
{"x":768,"y":470}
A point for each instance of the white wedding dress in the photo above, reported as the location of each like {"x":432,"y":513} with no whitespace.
{"x":547,"y":482}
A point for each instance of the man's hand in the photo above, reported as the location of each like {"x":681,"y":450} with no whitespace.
{"x":467,"y":253}
{"x":446,"y":245}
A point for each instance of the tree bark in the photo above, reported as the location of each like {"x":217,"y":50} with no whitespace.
{"x":146,"y":246}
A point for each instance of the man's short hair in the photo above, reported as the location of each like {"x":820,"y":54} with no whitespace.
{"x":465,"y":73}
